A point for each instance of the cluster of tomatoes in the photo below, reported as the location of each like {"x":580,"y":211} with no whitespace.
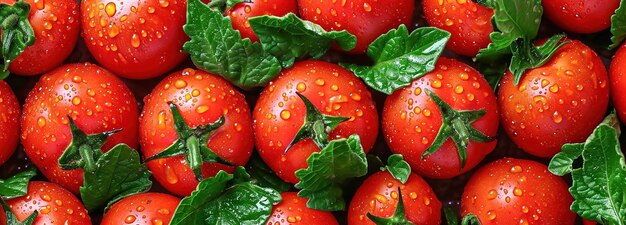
{"x":193,"y":124}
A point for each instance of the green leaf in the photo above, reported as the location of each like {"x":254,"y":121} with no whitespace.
{"x":618,"y":25}
{"x":217,"y":48}
{"x":321,"y":182}
{"x":451,"y":216}
{"x":528,"y":56}
{"x":263,"y":176}
{"x":119,"y":174}
{"x":226,"y":199}
{"x":16,"y":185}
{"x":398,"y":218}
{"x":289,"y":38}
{"x":12,"y":220}
{"x":400,"y":57}
{"x":563,"y":162}
{"x":231,"y":3}
{"x":493,"y":71}
{"x":398,"y":168}
{"x":470,"y":219}
{"x":17,"y":33}
{"x":598,"y":186}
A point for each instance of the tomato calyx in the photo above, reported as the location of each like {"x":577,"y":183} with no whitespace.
{"x":398,"y":218}
{"x":316,"y":126}
{"x":192,"y":143}
{"x":84,"y":150}
{"x":223,"y":4}
{"x":17,"y":33}
{"x":456,"y":124}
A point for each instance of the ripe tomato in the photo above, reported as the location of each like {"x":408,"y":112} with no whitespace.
{"x":96,"y":100}
{"x":56,"y":26}
{"x":142,"y":209}
{"x":202,"y":98}
{"x":241,"y":12}
{"x":292,"y":210}
{"x":560,"y":102}
{"x":133,"y":38}
{"x":54,"y":204}
{"x":365,"y":19}
{"x":515,"y":191}
{"x":412,"y":120}
{"x":9,"y":124}
{"x":580,"y":16}
{"x":280,"y":113}
{"x":618,"y":82}
{"x":378,"y":195}
{"x":468,"y":22}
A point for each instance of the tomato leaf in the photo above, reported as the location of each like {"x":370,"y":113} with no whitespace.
{"x":598,"y":186}
{"x":321,"y":182}
{"x":398,"y":218}
{"x":119,"y":174}
{"x":16,"y":185}
{"x":450,"y":216}
{"x":618,"y":25}
{"x":263,"y":176}
{"x":400,"y":57}
{"x":563,"y":162}
{"x":289,"y":38}
{"x":12,"y":220}
{"x":217,"y":48}
{"x":398,"y":168}
{"x":493,"y":71}
{"x":227,"y":199}
{"x":528,"y":56}
{"x":17,"y":33}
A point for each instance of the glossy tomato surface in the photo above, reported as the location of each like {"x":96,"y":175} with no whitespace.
{"x":94,"y":98}
{"x":142,"y":209}
{"x":618,"y":82}
{"x":280,"y":113}
{"x":292,"y":210}
{"x":379,"y":196}
{"x":580,"y":16}
{"x":202,"y":98}
{"x":241,"y":12}
{"x":9,"y":122}
{"x":560,"y":102}
{"x":136,"y":39}
{"x":411,"y":119}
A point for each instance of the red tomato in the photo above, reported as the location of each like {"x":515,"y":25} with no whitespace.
{"x":280,"y":113}
{"x":202,"y":98}
{"x":133,"y":38}
{"x":54,"y":204}
{"x":241,"y":12}
{"x":560,"y":102}
{"x":468,"y":22}
{"x":580,"y":16}
{"x":10,"y":125}
{"x":515,"y":191}
{"x":618,"y":82}
{"x":588,"y":222}
{"x":411,"y":119}
{"x":292,"y":210}
{"x":96,"y":100}
{"x":56,"y":25}
{"x":142,"y":209}
{"x":378,"y":195}
{"x":365,"y":19}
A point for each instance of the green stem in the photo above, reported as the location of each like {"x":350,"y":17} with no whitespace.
{"x":10,"y":21}
{"x":86,"y":154}
{"x":194,"y":156}
{"x":461,"y":128}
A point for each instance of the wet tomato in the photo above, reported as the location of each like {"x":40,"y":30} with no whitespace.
{"x":580,"y":16}
{"x":292,"y":210}
{"x":142,"y":209}
{"x":241,"y":12}
{"x":10,"y":124}
{"x":618,"y":82}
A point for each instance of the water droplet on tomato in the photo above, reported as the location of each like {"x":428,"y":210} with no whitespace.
{"x":170,"y":175}
{"x":367,"y":7}
{"x":110,"y":9}
{"x":491,"y":215}
{"x":76,"y":100}
{"x":41,"y":122}
{"x":285,"y":114}
{"x":130,"y":219}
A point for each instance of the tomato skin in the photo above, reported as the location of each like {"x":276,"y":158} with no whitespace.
{"x":96,"y":100}
{"x":516,"y":191}
{"x":10,"y":126}
{"x":55,"y":205}
{"x":209,"y":97}
{"x":411,"y":120}
{"x":241,"y":12}
{"x":140,"y":39}
{"x":365,"y":19}
{"x":589,"y":222}
{"x":580,"y":16}
{"x":56,"y":25}
{"x":292,"y":210}
{"x":469,"y":24}
{"x":560,"y":102}
{"x":617,"y":77}
{"x":142,"y":209}
{"x":280,"y":113}
{"x":420,"y":202}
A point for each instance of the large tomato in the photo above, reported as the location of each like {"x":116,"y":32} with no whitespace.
{"x":515,"y":191}
{"x":618,"y":82}
{"x":412,"y":120}
{"x":560,"y":102}
{"x":202,"y":99}
{"x":241,"y":12}
{"x":9,"y":122}
{"x":580,"y":16}
{"x":280,"y":113}
{"x":365,"y":19}
{"x":142,"y":209}
{"x":95,"y":99}
{"x":293,"y":210}
{"x":136,"y":39}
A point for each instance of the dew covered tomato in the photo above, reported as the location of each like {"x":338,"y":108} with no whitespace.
{"x":241,"y":12}
{"x":142,"y":209}
{"x":580,"y":16}
{"x":9,"y":124}
{"x":618,"y":82}
{"x":292,"y":210}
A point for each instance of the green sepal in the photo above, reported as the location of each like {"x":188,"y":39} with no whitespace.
{"x":316,"y":125}
{"x":262,"y":175}
{"x":398,"y":168}
{"x":456,"y":124}
{"x":618,"y":25}
{"x":223,"y":4}
{"x":398,"y":218}
{"x":12,"y":220}
{"x":528,"y":56}
{"x":470,"y":219}
{"x":192,"y":143}
{"x":450,"y":216}
{"x":84,"y":150}
{"x":17,"y":33}
{"x":17,"y":185}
